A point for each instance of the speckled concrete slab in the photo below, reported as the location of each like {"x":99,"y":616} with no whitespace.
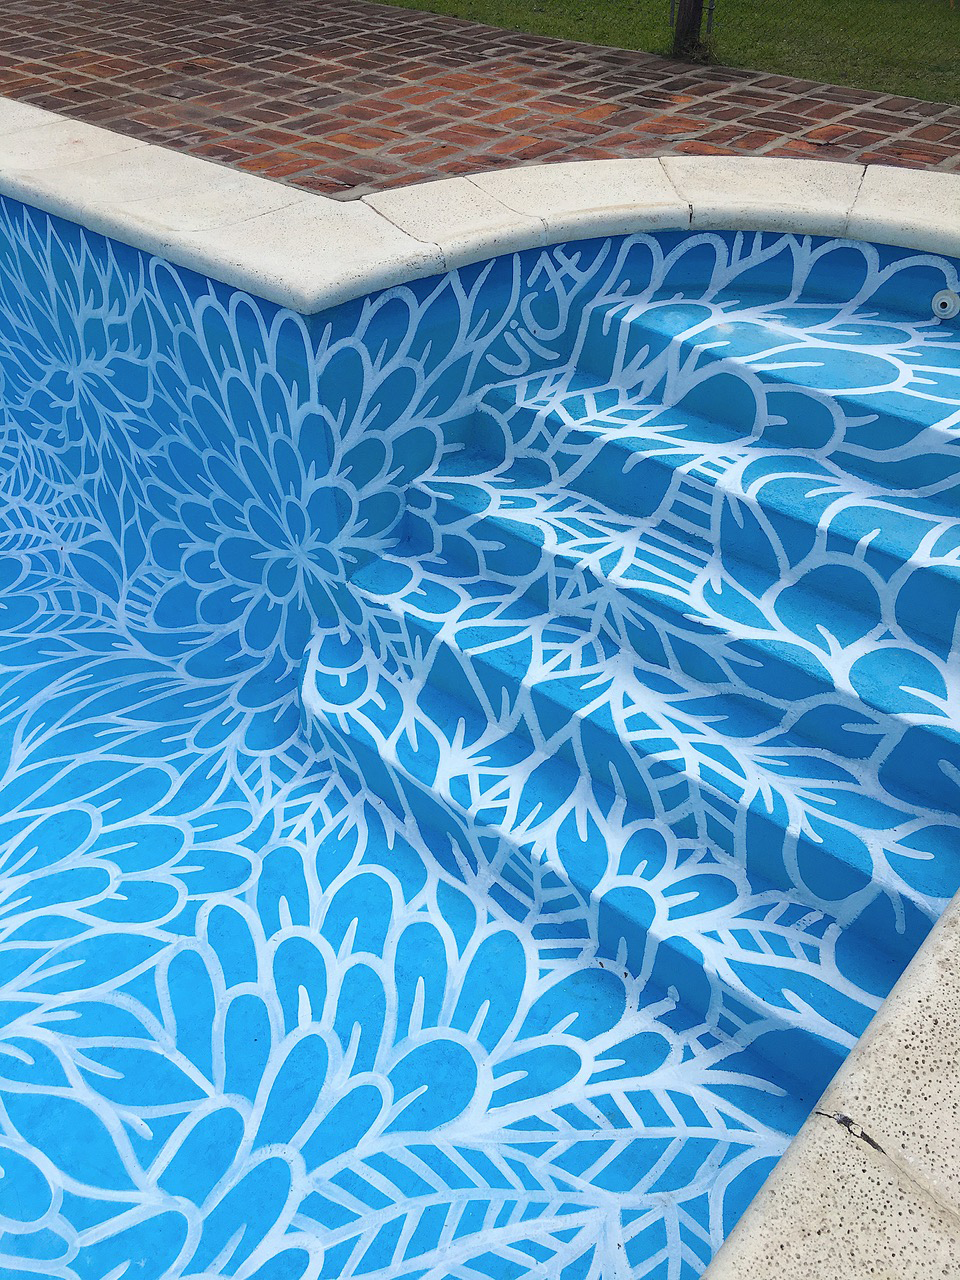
{"x":903,"y":1086}
{"x":835,"y":1207}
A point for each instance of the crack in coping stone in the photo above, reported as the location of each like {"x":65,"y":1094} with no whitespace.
{"x":858,"y":1132}
{"x":852,"y":1127}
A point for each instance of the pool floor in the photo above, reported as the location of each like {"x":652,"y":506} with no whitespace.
{"x":249,"y":1016}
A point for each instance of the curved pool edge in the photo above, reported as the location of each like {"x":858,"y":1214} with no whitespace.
{"x":309,"y":252}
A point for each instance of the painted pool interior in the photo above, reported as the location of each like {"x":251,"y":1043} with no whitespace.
{"x":473,"y":760}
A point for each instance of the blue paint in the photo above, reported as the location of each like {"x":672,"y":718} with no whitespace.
{"x":473,"y":761}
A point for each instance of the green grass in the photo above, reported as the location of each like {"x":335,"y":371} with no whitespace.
{"x":896,"y":46}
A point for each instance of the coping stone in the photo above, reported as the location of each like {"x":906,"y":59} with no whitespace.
{"x":763,"y":193}
{"x":916,"y":208}
{"x":466,"y":222}
{"x":56,"y":145}
{"x":310,"y":252}
{"x":308,"y":255}
{"x":835,"y":1209}
{"x":583,"y":198}
{"x":16,"y":115}
{"x":149,"y":191}
{"x":902,"y":1084}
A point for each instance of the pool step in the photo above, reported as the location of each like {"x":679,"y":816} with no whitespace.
{"x":800,"y":376}
{"x":699,"y":480}
{"x":668,"y":744}
{"x":663,"y":606}
{"x":752,"y":972}
{"x":663,"y":656}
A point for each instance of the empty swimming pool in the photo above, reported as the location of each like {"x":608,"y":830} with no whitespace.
{"x":474,"y":759}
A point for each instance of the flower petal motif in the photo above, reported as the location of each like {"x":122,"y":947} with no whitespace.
{"x":355,"y":930}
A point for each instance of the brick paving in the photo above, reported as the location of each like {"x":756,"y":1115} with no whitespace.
{"x":345,"y":97}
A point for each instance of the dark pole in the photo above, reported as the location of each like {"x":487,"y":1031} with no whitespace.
{"x":686,"y":31}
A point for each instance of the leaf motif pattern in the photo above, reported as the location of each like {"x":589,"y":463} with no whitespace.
{"x":460,"y":752}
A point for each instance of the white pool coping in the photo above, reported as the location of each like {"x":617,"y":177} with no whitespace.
{"x":309,"y":252}
{"x":871,"y":1185}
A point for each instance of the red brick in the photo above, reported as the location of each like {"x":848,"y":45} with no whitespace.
{"x":368,"y":139}
{"x":343,"y":97}
{"x":515,"y":142}
{"x":666,"y":126}
{"x":757,"y":140}
{"x":935,"y":133}
{"x":828,"y":133}
{"x":696,"y":147}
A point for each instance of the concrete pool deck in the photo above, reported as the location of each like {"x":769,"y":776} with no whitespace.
{"x":345,"y":98}
{"x":877,"y":1160}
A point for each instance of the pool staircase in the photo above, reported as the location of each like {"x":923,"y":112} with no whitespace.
{"x":666,"y":647}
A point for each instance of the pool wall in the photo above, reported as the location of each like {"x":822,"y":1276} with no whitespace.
{"x":152,"y":388}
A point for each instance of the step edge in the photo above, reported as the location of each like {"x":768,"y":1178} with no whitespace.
{"x":668,"y":941}
{"x":681,"y":775}
{"x":939,"y":727}
{"x":498,"y":518}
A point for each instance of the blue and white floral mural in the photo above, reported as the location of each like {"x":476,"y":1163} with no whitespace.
{"x":473,"y":761}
